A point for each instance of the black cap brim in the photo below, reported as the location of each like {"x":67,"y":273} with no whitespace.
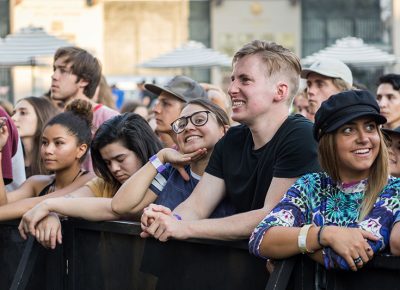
{"x":343,"y":119}
{"x":379,"y":119}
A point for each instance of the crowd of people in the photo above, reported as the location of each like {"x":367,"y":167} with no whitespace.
{"x":197,"y":164}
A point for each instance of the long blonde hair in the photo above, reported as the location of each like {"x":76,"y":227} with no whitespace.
{"x":378,"y":173}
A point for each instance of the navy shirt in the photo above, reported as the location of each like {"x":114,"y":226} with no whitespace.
{"x":172,"y":189}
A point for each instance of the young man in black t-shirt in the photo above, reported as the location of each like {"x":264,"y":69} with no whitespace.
{"x":256,"y":162}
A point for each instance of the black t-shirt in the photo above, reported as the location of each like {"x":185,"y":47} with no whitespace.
{"x":247,"y":173}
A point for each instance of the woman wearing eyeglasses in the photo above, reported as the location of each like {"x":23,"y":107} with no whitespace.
{"x":200,"y":126}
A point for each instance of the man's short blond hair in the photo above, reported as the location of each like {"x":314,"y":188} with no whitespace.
{"x":280,"y":62}
{"x":341,"y":85}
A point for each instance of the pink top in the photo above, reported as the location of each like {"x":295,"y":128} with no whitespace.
{"x":101,"y":114}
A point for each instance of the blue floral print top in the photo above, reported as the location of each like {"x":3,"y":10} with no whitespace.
{"x":315,"y":198}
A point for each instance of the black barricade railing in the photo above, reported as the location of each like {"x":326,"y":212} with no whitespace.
{"x":300,"y":272}
{"x":111,"y":255}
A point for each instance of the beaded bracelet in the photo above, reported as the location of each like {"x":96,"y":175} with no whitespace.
{"x":319,"y":235}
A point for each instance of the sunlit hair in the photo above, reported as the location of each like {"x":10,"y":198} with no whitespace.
{"x":280,"y":62}
{"x":219,"y":113}
{"x":105,"y":95}
{"x":44,"y":110}
{"x":133,"y":132}
{"x":77,"y":119}
{"x":7,"y":106}
{"x":341,"y":85}
{"x":216,"y":95}
{"x":131,"y":106}
{"x":84,"y":65}
{"x":378,"y":174}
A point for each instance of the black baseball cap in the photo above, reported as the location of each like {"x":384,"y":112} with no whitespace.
{"x":344,"y":107}
{"x":182,"y":87}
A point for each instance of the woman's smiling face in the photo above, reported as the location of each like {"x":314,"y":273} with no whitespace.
{"x":357,"y":146}
{"x":194,"y":137}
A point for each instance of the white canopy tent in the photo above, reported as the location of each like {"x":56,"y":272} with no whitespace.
{"x":28,"y":47}
{"x":353,"y":51}
{"x":190,"y":55}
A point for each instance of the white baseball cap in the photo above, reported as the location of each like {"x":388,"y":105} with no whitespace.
{"x":330,"y":67}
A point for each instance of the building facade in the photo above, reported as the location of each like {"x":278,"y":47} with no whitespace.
{"x":124,"y":33}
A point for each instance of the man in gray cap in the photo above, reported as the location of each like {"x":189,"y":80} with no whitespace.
{"x":171,"y":98}
{"x":326,"y":77}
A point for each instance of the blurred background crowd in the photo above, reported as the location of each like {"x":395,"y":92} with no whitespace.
{"x":150,"y":41}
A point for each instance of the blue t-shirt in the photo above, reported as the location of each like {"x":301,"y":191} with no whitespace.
{"x":316,"y":199}
{"x":172,"y":189}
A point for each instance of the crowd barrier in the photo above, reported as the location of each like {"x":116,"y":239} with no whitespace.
{"x":111,"y":255}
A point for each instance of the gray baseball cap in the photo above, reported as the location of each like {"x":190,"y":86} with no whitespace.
{"x":330,"y":67}
{"x":182,"y":87}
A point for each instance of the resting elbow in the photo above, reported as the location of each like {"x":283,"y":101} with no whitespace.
{"x":395,"y":240}
{"x":263,"y":250}
{"x":117,"y":208}
{"x":395,"y":251}
{"x":272,"y":246}
{"x":395,"y":246}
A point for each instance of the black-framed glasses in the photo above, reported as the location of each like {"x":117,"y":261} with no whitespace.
{"x":198,"y":119}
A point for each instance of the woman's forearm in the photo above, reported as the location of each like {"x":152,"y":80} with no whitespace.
{"x":133,"y":191}
{"x":16,"y":209}
{"x":282,"y":242}
{"x":89,"y":208}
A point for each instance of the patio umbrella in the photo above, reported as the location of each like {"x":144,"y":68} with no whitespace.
{"x":28,"y":47}
{"x":190,"y":55}
{"x":353,"y":51}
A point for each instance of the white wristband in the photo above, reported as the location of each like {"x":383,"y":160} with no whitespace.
{"x":302,"y":239}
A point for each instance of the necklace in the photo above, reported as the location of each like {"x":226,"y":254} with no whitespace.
{"x":52,"y":187}
{"x":352,"y":187}
{"x":76,"y":176}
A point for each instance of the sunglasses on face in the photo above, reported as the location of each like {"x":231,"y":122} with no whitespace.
{"x":198,"y":119}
